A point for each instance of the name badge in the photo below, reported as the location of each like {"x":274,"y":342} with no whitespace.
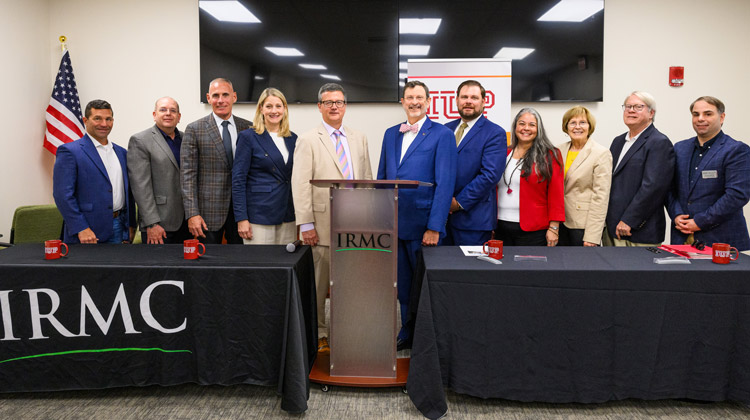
{"x":709,"y":174}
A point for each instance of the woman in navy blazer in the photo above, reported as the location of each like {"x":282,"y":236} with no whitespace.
{"x":530,"y":192}
{"x":262,"y":173}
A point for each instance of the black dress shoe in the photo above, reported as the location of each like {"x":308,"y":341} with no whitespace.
{"x":402,"y":344}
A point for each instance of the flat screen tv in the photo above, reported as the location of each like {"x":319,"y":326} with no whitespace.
{"x":356,"y":43}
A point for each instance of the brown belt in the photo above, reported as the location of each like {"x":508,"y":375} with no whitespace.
{"x":117,"y":213}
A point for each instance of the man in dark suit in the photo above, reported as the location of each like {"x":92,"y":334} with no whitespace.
{"x":154,"y":169}
{"x":419,"y":150}
{"x":711,"y":183}
{"x":642,"y":176}
{"x":482,"y":147}
{"x":206,"y":158}
{"x":90,"y":183}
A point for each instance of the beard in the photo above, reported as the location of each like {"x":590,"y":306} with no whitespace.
{"x":469,"y":113}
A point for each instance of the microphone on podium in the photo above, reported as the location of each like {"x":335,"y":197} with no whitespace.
{"x":291,"y":247}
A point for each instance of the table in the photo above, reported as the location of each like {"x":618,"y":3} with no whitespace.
{"x":137,"y":315}
{"x":589,"y":325}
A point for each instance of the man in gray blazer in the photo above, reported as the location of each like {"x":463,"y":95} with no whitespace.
{"x":206,"y":156}
{"x":154,"y":171}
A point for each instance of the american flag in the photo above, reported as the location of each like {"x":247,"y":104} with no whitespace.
{"x":64,"y":123}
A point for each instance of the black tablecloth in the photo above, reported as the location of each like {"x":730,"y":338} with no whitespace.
{"x":136,"y":315}
{"x":589,"y":325}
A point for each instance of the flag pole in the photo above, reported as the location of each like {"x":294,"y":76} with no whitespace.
{"x":62,"y":43}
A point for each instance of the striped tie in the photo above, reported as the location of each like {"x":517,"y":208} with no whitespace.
{"x":346,"y":169}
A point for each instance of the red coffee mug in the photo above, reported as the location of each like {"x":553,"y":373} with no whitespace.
{"x":722,"y":253}
{"x":52,"y":249}
{"x":190,"y":249}
{"x":493,"y":248}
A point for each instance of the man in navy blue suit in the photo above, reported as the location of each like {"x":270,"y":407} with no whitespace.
{"x":711,"y":183}
{"x":419,"y":150}
{"x":90,"y":183}
{"x":642,"y":175}
{"x":482,"y":147}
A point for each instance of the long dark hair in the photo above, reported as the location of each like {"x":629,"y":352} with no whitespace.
{"x":538,"y":156}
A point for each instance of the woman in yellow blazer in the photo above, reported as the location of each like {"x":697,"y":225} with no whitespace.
{"x":588,"y":175}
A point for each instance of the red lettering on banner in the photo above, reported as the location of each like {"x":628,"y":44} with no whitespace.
{"x":443,"y":104}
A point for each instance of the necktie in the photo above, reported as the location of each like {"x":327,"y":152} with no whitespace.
{"x":227,"y":138}
{"x":346,"y":170}
{"x":406,"y":127}
{"x":460,"y":132}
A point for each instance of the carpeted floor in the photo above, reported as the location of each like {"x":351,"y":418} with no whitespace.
{"x":254,"y":402}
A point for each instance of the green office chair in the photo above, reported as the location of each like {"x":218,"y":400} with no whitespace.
{"x":36,"y":224}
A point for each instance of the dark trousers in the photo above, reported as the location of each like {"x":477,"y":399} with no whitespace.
{"x":456,"y":237}
{"x":407,"y":263}
{"x":571,"y":237}
{"x":512,"y":235}
{"x":229,"y":230}
{"x":175,"y":237}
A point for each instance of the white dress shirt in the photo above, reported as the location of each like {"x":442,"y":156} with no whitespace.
{"x":114,"y":172}
{"x":409,"y":137}
{"x":469,"y":124}
{"x":279,"y":142}
{"x":232,"y":130}
{"x":628,"y":144}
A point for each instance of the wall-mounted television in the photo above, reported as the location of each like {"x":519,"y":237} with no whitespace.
{"x":358,"y":43}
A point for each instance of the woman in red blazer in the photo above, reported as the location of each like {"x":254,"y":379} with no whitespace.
{"x":530,"y":193}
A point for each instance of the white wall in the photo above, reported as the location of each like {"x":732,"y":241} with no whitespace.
{"x":131,"y":53}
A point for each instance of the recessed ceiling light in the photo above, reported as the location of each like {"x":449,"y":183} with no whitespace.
{"x":418,"y":26}
{"x":572,"y":11}
{"x":413,"y":49}
{"x":259,"y":78}
{"x":403,"y":65}
{"x":330,"y":76}
{"x":228,"y":11}
{"x":313,"y":66}
{"x":285,"y":52}
{"x":514,"y":53}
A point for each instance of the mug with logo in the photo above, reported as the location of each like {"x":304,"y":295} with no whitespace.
{"x":493,"y":248}
{"x":52,"y":249}
{"x":722,"y":253}
{"x":190,"y":249}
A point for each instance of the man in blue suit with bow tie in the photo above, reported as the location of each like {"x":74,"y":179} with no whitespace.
{"x":711,"y":182}
{"x":482,"y":147}
{"x":425,"y":151}
{"x":90,"y":183}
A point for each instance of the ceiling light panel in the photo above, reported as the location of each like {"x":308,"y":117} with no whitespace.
{"x":572,"y":11}
{"x":285,"y":52}
{"x":418,"y":26}
{"x":313,"y":66}
{"x":228,"y":11}
{"x":514,"y":53}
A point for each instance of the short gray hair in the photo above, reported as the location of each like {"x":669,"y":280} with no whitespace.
{"x":647,"y":99}
{"x":330,"y":87}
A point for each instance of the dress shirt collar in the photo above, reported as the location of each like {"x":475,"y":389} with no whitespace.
{"x":330,"y":129}
{"x":634,"y":138}
{"x":219,"y":121}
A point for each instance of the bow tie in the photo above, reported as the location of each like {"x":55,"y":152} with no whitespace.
{"x":406,"y":127}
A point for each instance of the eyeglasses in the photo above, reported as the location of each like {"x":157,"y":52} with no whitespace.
{"x":699,"y":245}
{"x":578,"y":124}
{"x":329,"y":104}
{"x":636,"y":107}
{"x":171,"y":110}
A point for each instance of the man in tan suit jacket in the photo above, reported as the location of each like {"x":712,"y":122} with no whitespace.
{"x":316,"y":157}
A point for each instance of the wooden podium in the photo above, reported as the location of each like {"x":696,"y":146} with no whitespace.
{"x":364,"y":257}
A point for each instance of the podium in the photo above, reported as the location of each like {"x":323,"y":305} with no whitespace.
{"x":364,"y":255}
